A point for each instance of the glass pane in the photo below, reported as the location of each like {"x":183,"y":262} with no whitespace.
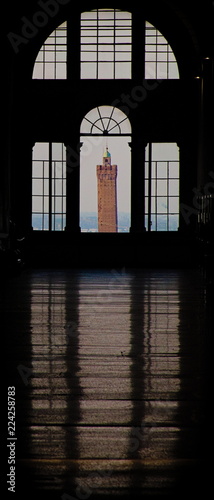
{"x":154,"y":188}
{"x":165,"y":151}
{"x":161,"y":188}
{"x":56,"y":151}
{"x":106,"y":14}
{"x":37,"y":222}
{"x":161,"y":222}
{"x":49,"y":56}
{"x":57,"y":187}
{"x":174,"y":187}
{"x":41,"y":151}
{"x":37,"y":169}
{"x":173,"y":222}
{"x":162,"y":70}
{"x":89,"y":56}
{"x":87,"y":40}
{"x":174,"y":170}
{"x":173,"y":71}
{"x":153,"y":205}
{"x":146,"y":187}
{"x":61,"y":56}
{"x":161,"y":57}
{"x":150,"y":57}
{"x":37,"y":204}
{"x":153,"y":224}
{"x":162,"y":170}
{"x":161,"y":47}
{"x":46,"y":222}
{"x":105,"y":56}
{"x":38,"y":71}
{"x":61,"y":71}
{"x":174,"y":205}
{"x":46,"y":170}
{"x":150,"y":39}
{"x":50,"y":71}
{"x":150,"y":71}
{"x":57,"y":222}
{"x":162,"y":205}
{"x":105,"y":71}
{"x":123,"y":56}
{"x":58,"y":205}
{"x":105,"y":37}
{"x":88,"y":70}
{"x":46,"y":187}
{"x":154,"y":170}
{"x":37,"y":187}
{"x":123,"y":70}
{"x":146,"y":205}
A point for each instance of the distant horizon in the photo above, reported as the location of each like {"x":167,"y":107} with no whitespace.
{"x":86,"y":222}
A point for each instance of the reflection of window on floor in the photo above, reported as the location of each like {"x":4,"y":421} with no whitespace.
{"x":160,"y":61}
{"x":51,"y":62}
{"x":162,"y":187}
{"x":49,"y":187}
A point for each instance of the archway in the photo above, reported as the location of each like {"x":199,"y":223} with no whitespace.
{"x":105,"y":136}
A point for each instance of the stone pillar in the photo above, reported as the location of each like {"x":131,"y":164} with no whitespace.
{"x":137,"y":182}
{"x":73,"y":187}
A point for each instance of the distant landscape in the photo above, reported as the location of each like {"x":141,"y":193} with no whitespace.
{"x":89,"y":223}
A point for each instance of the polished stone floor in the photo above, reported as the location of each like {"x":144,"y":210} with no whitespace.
{"x":109,"y":368}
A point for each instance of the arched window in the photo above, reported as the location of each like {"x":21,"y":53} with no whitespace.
{"x":51,"y":61}
{"x":105,"y":49}
{"x":160,"y":61}
{"x":105,"y":171}
{"x":105,"y":120}
{"x":105,"y":52}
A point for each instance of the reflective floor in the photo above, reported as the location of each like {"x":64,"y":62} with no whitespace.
{"x":109,"y":369}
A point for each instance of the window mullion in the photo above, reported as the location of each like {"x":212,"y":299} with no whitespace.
{"x":50,"y":186}
{"x":150,"y":187}
{"x":97,"y":68}
{"x":43,"y":195}
{"x":114,"y":48}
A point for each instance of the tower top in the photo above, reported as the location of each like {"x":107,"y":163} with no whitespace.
{"x":106,"y":153}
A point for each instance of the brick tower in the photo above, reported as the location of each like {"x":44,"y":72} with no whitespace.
{"x":107,"y":195}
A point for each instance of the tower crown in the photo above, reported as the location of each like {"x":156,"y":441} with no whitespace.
{"x":106,"y":153}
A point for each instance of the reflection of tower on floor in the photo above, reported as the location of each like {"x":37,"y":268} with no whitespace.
{"x":107,"y":195}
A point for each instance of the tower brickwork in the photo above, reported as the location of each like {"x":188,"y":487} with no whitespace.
{"x":107,"y":195}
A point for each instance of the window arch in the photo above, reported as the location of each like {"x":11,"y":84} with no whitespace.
{"x":105,"y":49}
{"x":105,"y":120}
